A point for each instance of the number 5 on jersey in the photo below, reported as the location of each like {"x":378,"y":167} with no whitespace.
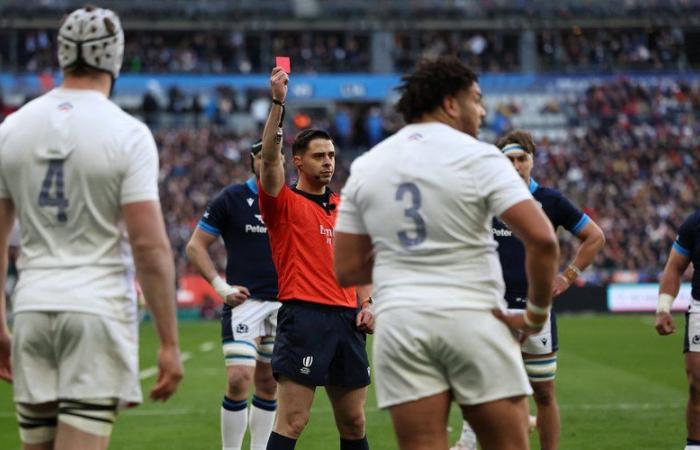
{"x":417,"y":235}
{"x":53,"y":181}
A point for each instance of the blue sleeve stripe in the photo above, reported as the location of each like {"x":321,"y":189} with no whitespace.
{"x":677,"y":247}
{"x":208,"y":228}
{"x":583,"y":221}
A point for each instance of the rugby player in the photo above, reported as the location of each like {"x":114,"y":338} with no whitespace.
{"x":539,"y":350}
{"x":686,"y":249}
{"x":416,"y":221}
{"x":321,"y":327}
{"x":249,"y":316}
{"x":81,"y":174}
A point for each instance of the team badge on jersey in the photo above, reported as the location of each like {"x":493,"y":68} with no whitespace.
{"x":241,"y":328}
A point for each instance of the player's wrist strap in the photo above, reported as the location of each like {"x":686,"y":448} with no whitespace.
{"x":538,"y":310}
{"x":571,"y":273}
{"x":665,"y":302}
{"x":223,"y":288}
{"x":367,"y":300}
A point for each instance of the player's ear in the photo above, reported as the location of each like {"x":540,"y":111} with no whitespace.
{"x":296,"y":159}
{"x":449,"y":104}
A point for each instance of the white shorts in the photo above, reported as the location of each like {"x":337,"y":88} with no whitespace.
{"x":69,"y":355}
{"x":542,"y":343}
{"x":422,"y":353}
{"x":242,"y":325}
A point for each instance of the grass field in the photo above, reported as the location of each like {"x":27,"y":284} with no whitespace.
{"x":619,"y":385}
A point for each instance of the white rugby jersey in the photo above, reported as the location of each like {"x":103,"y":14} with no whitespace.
{"x":426,"y":196}
{"x":68,"y":161}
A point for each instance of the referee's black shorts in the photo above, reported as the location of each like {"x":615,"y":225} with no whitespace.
{"x":319,"y":345}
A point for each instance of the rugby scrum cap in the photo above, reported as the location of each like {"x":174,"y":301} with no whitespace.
{"x":93,"y":36}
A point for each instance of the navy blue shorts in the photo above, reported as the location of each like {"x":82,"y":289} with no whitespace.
{"x":319,"y":345}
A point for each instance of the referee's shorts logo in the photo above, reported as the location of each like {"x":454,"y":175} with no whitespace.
{"x":307,"y":362}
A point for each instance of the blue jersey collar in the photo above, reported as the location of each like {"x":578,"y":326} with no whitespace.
{"x":533,"y":185}
{"x":252,"y":185}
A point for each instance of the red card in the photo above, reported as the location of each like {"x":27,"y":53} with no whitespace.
{"x":284,"y":62}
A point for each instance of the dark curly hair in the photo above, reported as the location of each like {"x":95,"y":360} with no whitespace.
{"x":423,"y":90}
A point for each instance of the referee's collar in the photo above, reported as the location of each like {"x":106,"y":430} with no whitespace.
{"x":322,"y":200}
{"x":533,"y":185}
{"x":252,"y":184}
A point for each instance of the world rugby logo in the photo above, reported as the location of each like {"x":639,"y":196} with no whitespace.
{"x":307,"y":362}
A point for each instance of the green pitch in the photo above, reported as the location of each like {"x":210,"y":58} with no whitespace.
{"x":620,"y":387}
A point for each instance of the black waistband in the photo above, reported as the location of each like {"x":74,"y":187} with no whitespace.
{"x":317,"y":306}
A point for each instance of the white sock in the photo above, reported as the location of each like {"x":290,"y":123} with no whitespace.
{"x":234,"y":421}
{"x":468,"y":436}
{"x":692,"y":447}
{"x":262,"y":417}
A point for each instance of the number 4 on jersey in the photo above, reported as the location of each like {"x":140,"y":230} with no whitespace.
{"x":54,"y":180}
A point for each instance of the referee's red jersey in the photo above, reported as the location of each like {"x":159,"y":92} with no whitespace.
{"x":301,"y":229}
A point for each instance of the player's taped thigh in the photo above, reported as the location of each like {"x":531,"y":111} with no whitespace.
{"x":37,"y":424}
{"x":93,"y":416}
{"x":240,"y":352}
{"x":267,"y":345}
{"x":541,"y":369}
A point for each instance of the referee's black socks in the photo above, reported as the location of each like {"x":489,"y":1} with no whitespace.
{"x":357,"y":444}
{"x":279,"y":442}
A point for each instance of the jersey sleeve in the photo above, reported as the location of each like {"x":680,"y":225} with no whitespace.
{"x":140,"y":181}
{"x":214,"y":218}
{"x":350,"y":214}
{"x":685,"y":242}
{"x":570,"y":217}
{"x":275,"y":210}
{"x":498,"y":183}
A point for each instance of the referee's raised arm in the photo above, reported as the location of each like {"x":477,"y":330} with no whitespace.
{"x":272,"y":168}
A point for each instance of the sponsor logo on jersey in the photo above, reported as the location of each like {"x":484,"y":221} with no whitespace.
{"x":262,"y":229}
{"x":65,"y":106}
{"x":327,"y":233}
{"x":307,"y":361}
{"x":500,"y":232}
{"x":241,"y":328}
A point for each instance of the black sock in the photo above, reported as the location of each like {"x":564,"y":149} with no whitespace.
{"x":356,"y":444}
{"x":279,"y":442}
{"x":692,"y":442}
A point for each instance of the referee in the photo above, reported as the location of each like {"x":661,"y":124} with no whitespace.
{"x":321,"y":327}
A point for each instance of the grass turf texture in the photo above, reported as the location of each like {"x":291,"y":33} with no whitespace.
{"x":619,"y":386}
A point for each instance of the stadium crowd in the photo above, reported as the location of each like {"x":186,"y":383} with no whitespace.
{"x":334,"y":51}
{"x":629,"y":162}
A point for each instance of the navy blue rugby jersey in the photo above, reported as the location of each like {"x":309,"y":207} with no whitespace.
{"x":235,"y":216}
{"x":511,"y":251}
{"x":688,"y":244}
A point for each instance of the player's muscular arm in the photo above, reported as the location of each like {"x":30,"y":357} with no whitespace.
{"x":7,"y":219}
{"x":156,"y":274}
{"x":534,"y":229}
{"x":272,"y":168}
{"x":668,"y":290}
{"x":592,"y":240}
{"x":354,"y":259}
{"x":198,"y":253}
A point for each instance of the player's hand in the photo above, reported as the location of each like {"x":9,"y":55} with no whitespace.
{"x":365,"y":320}
{"x":237,"y":297}
{"x":5,"y":364}
{"x":664,"y":323}
{"x":278,"y":84}
{"x":170,"y":372}
{"x":516,"y":324}
{"x":559,"y":285}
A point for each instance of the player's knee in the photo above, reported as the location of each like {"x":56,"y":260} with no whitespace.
{"x":37,"y":423}
{"x":543,"y":393}
{"x":239,"y":379}
{"x":352,"y":426}
{"x":294,"y":422}
{"x":92,"y":416}
{"x":265,"y":383}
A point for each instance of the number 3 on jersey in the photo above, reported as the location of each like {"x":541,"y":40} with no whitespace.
{"x":54,"y":179}
{"x":416,"y":236}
